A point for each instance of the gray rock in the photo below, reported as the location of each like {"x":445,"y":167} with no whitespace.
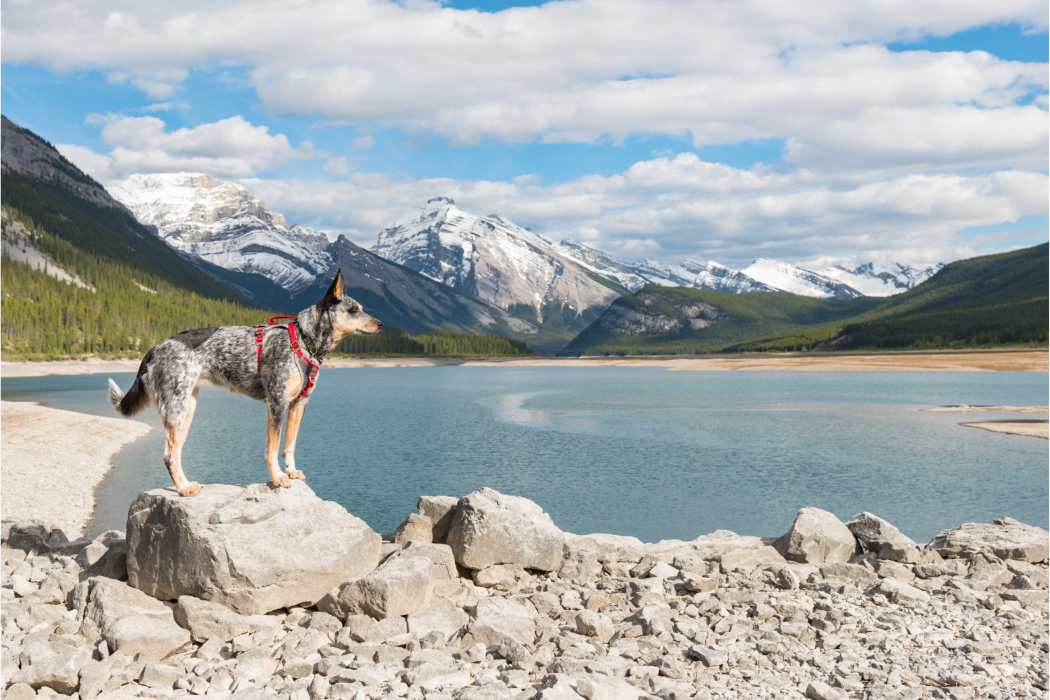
{"x":490,"y":628}
{"x":1006,"y":538}
{"x":415,"y":528}
{"x":943,"y":567}
{"x":398,"y":587}
{"x":823,"y":691}
{"x":20,"y":691}
{"x":606,"y":548}
{"x":595,"y":624}
{"x":748,"y":558}
{"x":709,"y":657}
{"x":93,"y":677}
{"x":442,"y":617}
{"x":440,"y":510}
{"x":253,"y":549}
{"x":519,"y":657}
{"x":158,"y":676}
{"x":579,"y":564}
{"x":381,"y":631}
{"x":903,"y":594}
{"x":440,"y":554}
{"x":205,"y":619}
{"x":882,"y":539}
{"x":817,"y":537}
{"x":491,"y":528}
{"x":850,"y":572}
{"x":494,"y":575}
{"x":128,"y":619}
{"x":60,"y":672}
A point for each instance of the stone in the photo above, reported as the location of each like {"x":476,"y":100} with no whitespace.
{"x":400,"y":586}
{"x":491,"y":528}
{"x":415,"y":528}
{"x":850,"y":572}
{"x":93,"y":677}
{"x":383,"y":630}
{"x":253,"y":549}
{"x":903,"y":594}
{"x":579,"y":564}
{"x":519,"y":657}
{"x":1006,"y":538}
{"x":128,"y":619}
{"x":606,"y":548}
{"x":604,"y":687}
{"x":595,"y":624}
{"x":817,"y":537}
{"x":886,"y":569}
{"x":60,"y":672}
{"x":882,"y":539}
{"x":442,"y":617}
{"x":20,"y":691}
{"x":709,"y":657}
{"x":823,"y":691}
{"x":492,"y":626}
{"x":439,"y":510}
{"x":158,"y":676}
{"x":440,"y":554}
{"x":494,"y":575}
{"x":749,"y":558}
{"x":205,"y":619}
{"x":662,"y":569}
{"x":942,"y":567}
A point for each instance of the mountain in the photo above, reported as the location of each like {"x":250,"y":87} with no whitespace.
{"x":223,"y":224}
{"x":682,"y":321}
{"x":988,"y":300}
{"x":882,"y":279}
{"x":600,"y":263}
{"x":238,"y":240}
{"x":80,"y":274}
{"x":498,"y":262}
{"x":798,"y":280}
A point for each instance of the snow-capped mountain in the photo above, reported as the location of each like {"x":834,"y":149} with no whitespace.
{"x":495,"y":260}
{"x":681,"y":275}
{"x":223,"y":224}
{"x":798,"y":280}
{"x":598,"y":262}
{"x":882,"y":279}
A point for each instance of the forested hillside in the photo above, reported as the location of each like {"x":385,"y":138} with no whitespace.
{"x":394,"y":341}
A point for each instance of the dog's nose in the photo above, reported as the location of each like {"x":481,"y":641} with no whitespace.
{"x":379,"y":323}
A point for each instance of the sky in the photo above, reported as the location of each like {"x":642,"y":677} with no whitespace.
{"x":817,"y":132}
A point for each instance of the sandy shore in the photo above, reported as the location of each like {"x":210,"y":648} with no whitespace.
{"x":1002,"y":361}
{"x":1037,"y":429}
{"x":52,"y":460}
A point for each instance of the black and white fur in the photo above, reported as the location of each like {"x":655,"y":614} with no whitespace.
{"x":172,"y":372}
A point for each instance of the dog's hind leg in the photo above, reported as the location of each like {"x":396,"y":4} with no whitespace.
{"x":176,"y":430}
{"x":291,"y":432}
{"x":274,"y":419}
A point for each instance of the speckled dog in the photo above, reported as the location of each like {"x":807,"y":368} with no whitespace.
{"x":268,"y":363}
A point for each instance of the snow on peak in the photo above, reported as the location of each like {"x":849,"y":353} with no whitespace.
{"x":797,"y":280}
{"x":222,"y":223}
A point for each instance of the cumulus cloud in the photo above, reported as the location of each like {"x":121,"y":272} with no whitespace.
{"x":713,"y":211}
{"x":816,"y":73}
{"x":227,"y":148}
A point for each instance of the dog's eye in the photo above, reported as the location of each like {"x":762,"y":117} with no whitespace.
{"x":354,"y":309}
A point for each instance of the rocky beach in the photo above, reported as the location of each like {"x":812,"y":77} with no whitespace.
{"x":255,"y":592}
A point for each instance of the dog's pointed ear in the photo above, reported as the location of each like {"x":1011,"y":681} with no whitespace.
{"x":336,"y":292}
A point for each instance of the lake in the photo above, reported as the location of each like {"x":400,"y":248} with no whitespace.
{"x":634,"y":451}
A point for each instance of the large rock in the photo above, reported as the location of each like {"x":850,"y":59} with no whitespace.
{"x":205,"y":619}
{"x":442,"y":617}
{"x":817,"y":537}
{"x":415,"y":528}
{"x":128,"y":619}
{"x":60,"y":672}
{"x":401,"y":585}
{"x":882,"y":539}
{"x":440,"y":554}
{"x":1006,"y":538}
{"x":440,"y":510}
{"x":490,"y":528}
{"x":253,"y":549}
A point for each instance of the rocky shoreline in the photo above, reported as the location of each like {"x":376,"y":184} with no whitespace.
{"x":252,"y":593}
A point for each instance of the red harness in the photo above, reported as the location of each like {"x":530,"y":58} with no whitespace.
{"x":308,"y":366}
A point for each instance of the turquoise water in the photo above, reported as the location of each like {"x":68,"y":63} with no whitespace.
{"x":634,"y":451}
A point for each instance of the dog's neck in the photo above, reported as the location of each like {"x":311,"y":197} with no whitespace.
{"x":316,"y":329}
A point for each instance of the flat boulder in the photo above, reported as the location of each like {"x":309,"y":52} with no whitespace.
{"x":817,"y":537}
{"x":491,"y":528}
{"x":400,"y":586}
{"x":205,"y":619}
{"x":128,"y":619}
{"x":253,"y":549}
{"x":882,"y":539}
{"x":440,"y":554}
{"x":1006,"y":538}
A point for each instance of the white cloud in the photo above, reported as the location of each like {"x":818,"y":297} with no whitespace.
{"x":228,"y":148}
{"x":363,"y":143}
{"x":574,"y":71}
{"x":715,"y":211}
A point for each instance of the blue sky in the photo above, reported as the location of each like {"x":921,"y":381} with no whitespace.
{"x":841,"y":139}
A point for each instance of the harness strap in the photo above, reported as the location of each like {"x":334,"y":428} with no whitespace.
{"x":308,"y":366}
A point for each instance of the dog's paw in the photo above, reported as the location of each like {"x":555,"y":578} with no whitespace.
{"x":296,"y":474}
{"x":190,"y":489}
{"x":282,"y":481}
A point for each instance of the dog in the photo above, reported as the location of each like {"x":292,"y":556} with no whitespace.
{"x":265,"y":363}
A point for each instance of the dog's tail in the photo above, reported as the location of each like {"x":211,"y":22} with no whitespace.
{"x":137,"y":397}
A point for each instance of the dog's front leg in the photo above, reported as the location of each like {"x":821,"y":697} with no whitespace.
{"x":274,"y":419}
{"x":291,"y":432}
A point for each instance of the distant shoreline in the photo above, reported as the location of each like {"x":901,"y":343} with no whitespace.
{"x":951,"y":361}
